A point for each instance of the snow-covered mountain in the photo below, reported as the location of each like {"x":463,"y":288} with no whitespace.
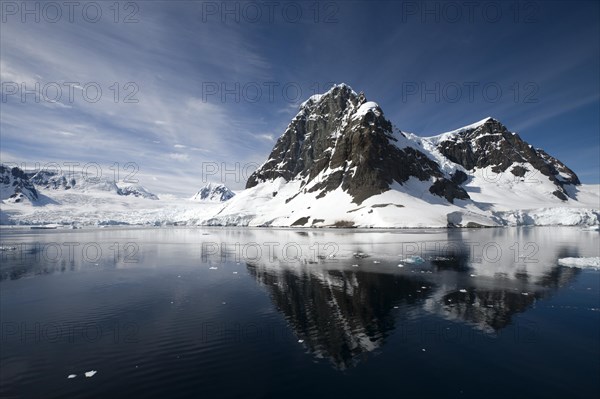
{"x":341,"y":163}
{"x":213,"y":193}
{"x":51,"y":180}
{"x":15,"y":185}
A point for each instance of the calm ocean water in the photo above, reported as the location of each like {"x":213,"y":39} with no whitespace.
{"x":182,"y":312}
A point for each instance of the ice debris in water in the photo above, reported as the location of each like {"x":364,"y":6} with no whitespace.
{"x":415,"y":259}
{"x":70,"y":376}
{"x":580,"y":262}
{"x":90,"y":373}
{"x":213,"y":268}
{"x":376,"y":261}
{"x":463,"y":290}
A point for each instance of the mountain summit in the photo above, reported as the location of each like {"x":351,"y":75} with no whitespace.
{"x":340,"y":139}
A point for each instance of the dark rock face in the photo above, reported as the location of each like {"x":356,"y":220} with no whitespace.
{"x":342,"y":140}
{"x":448,"y":189}
{"x":491,"y":144}
{"x":16,"y":184}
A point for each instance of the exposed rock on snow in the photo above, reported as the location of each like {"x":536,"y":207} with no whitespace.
{"x":213,"y":193}
{"x":15,"y":185}
{"x":136,"y":190}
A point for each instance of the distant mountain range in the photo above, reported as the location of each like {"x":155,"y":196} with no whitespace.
{"x":341,"y":163}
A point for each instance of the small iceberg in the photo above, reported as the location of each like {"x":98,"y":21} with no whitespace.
{"x":90,"y":374}
{"x":593,"y":262}
{"x":415,"y":260}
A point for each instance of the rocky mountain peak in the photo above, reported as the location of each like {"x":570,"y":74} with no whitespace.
{"x":213,"y":193}
{"x":489,"y":143}
{"x":340,"y":139}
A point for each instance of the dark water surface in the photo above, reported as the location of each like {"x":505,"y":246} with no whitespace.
{"x":250,"y":313}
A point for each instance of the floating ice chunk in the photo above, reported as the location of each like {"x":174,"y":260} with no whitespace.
{"x":213,"y":268}
{"x":234,"y":272}
{"x":580,"y":262}
{"x":300,"y":341}
{"x":70,"y":376}
{"x":413,"y":259}
{"x":354,"y":265}
{"x":463,"y":290}
{"x":473,"y":275}
{"x":400,"y":265}
{"x":376,"y":261}
{"x":423,"y":350}
{"x":90,"y":374}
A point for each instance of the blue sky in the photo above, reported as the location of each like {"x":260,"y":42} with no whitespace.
{"x":432,"y":67}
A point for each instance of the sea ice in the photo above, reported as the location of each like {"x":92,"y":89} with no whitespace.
{"x":593,"y":262}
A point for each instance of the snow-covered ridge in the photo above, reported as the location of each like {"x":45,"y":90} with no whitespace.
{"x":82,"y":182}
{"x":446,"y":135}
